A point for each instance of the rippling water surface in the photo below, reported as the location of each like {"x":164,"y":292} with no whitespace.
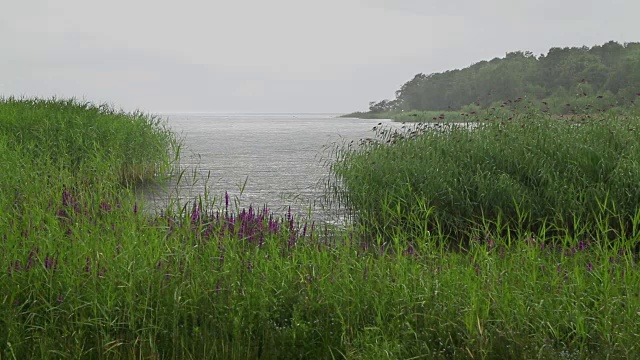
{"x":273,"y":159}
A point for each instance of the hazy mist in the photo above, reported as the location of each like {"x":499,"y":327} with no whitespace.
{"x":278,"y":55}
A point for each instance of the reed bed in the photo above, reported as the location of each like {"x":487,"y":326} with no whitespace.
{"x":525,"y":171}
{"x":86,"y":272}
{"x":88,"y":139}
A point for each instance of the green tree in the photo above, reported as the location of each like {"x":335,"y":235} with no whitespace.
{"x":563,"y":74}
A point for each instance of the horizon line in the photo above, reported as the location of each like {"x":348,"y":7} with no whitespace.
{"x":251,"y":112}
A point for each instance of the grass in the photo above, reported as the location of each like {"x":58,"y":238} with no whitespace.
{"x":81,"y":137}
{"x":86,"y":272}
{"x":527,"y":170}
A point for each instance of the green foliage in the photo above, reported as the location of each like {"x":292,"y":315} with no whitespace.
{"x":87,"y":272}
{"x":610,"y":68}
{"x":422,"y":116}
{"x":523,"y":169}
{"x":382,"y":106}
{"x":82,"y":137}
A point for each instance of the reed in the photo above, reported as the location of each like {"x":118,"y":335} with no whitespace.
{"x":527,"y":170}
{"x":89,"y":139}
{"x":87,"y":272}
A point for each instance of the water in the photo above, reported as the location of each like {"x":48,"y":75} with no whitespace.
{"x":273,"y":159}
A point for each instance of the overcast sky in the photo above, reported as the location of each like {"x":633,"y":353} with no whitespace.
{"x":275,"y":55}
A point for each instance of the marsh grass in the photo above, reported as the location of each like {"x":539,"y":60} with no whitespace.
{"x":86,"y":272}
{"x":530,"y":171}
{"x":87,"y":140}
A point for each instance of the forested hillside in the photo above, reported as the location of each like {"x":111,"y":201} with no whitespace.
{"x":610,"y":73}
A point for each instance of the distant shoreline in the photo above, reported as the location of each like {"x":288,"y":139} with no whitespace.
{"x":416,"y":116}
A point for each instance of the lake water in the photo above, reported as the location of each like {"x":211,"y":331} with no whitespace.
{"x":273,"y":159}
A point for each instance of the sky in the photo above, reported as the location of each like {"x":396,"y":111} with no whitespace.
{"x":330,"y":56}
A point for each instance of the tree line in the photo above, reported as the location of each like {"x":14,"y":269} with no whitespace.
{"x":608,"y":72}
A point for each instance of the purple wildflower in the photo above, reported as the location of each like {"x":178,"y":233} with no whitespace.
{"x":67,"y":199}
{"x":231,"y":223}
{"x":30,"y":259}
{"x":104,"y":206}
{"x":50,"y":263}
{"x":195,"y":213}
{"x":87,"y":267}
{"x":62,"y":213}
{"x":15,"y":265}
{"x":490,"y":243}
{"x":292,"y":241}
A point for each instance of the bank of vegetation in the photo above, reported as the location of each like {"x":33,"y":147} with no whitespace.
{"x":564,"y":81}
{"x":514,"y":240}
{"x":522,"y":187}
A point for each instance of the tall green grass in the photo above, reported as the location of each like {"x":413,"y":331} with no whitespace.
{"x":88,"y":140}
{"x":86,"y":272}
{"x":528,"y":171}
